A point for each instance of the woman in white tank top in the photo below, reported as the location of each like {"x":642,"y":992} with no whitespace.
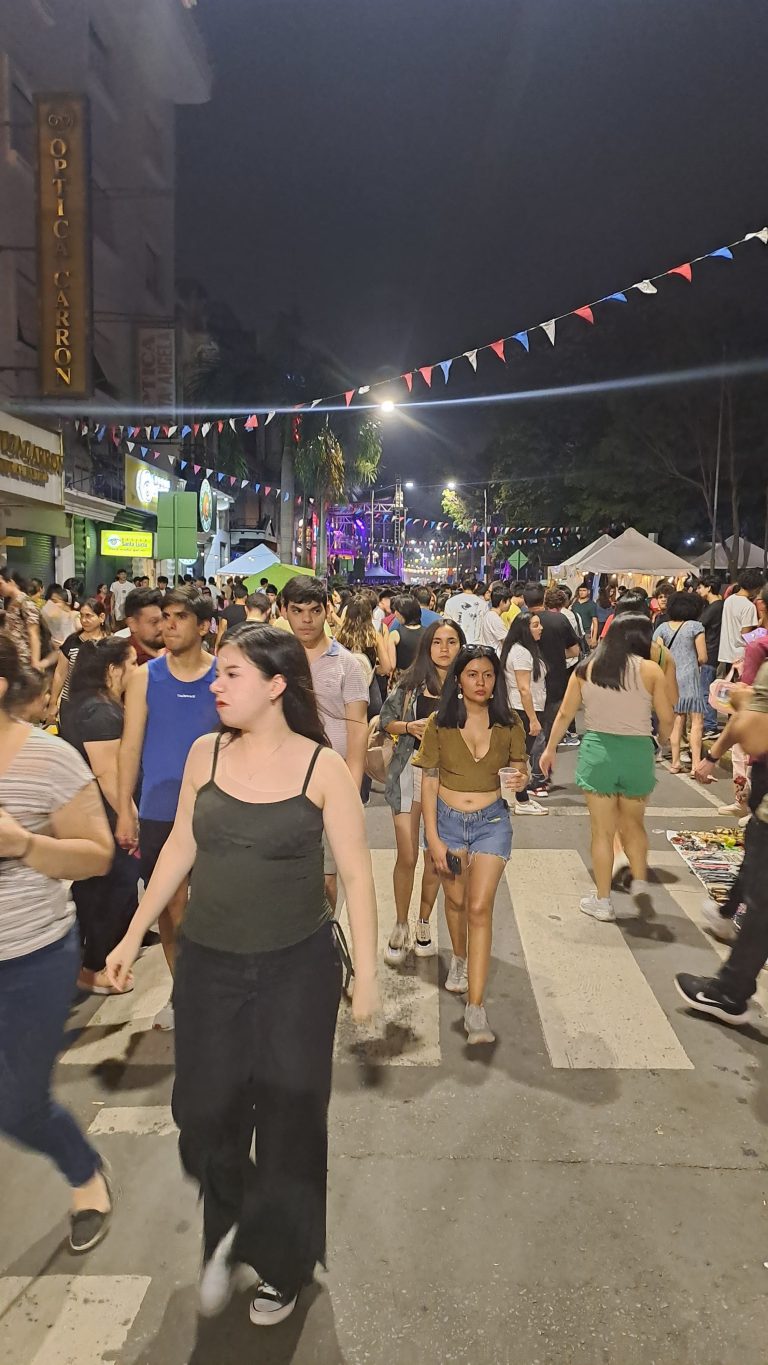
{"x":619,"y":687}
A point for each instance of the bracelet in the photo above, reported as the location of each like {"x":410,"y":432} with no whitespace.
{"x":407,"y":731}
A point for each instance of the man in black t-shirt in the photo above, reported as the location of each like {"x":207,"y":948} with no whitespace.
{"x":558,"y":643}
{"x":711,"y":618}
{"x":234,"y":615}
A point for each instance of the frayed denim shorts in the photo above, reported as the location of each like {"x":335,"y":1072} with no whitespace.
{"x":478,"y":831}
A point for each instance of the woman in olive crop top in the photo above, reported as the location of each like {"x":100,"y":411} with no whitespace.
{"x":473,"y":735}
{"x":258,"y":977}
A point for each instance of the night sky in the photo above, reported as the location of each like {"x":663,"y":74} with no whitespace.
{"x":421,"y":176}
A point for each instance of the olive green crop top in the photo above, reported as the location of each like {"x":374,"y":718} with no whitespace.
{"x":447,"y":751}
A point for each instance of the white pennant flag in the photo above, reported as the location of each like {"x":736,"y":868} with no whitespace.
{"x":206,"y":428}
{"x":315,"y":402}
{"x":762,"y":236}
{"x":645,"y":287}
{"x":244,"y":483}
{"x":472,"y":358}
{"x":270,"y":415}
{"x":172,"y":431}
{"x":549,"y":329}
{"x":365,"y":389}
{"x":130,"y":445}
{"x":232,"y":423}
{"x":148,"y":431}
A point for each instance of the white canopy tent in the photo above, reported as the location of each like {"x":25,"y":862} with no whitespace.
{"x":633,"y":553}
{"x":257,"y":560}
{"x":750,"y":556}
{"x":572,"y":565}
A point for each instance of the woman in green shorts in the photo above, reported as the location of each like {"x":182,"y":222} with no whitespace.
{"x":619,"y":687}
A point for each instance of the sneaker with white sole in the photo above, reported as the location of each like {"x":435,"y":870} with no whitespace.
{"x":476,"y":1025}
{"x":705,"y":995}
{"x":569,"y":741}
{"x":396,"y":950}
{"x":530,"y":807}
{"x":164,"y":1020}
{"x":735,"y":808}
{"x":720,"y":926}
{"x":268,"y":1306}
{"x":424,"y":947}
{"x":457,"y":981}
{"x":217,"y":1278}
{"x":599,"y":907}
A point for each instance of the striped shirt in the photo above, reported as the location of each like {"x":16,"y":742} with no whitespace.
{"x":36,"y":910}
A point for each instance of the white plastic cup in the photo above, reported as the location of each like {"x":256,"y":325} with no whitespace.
{"x":508,"y":792}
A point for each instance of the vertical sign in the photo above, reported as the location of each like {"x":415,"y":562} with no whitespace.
{"x":64,"y":245}
{"x":157,"y":367}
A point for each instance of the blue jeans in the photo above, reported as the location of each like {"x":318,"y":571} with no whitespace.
{"x":35,"y":996}
{"x":708,"y":675}
{"x":478,"y":831}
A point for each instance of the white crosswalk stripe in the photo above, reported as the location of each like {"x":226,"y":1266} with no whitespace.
{"x":596,"y":1007}
{"x":138,"y":1120}
{"x":68,"y":1319}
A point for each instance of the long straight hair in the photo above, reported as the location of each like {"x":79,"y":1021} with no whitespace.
{"x":422,"y":674}
{"x":90,"y":674}
{"x":519,"y":633}
{"x":274,"y":652}
{"x":630,"y":634}
{"x":452,"y":713}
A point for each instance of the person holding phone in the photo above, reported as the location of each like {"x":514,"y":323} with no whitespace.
{"x":466,"y":744}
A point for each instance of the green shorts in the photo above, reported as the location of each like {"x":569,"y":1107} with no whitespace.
{"x":616,"y":765}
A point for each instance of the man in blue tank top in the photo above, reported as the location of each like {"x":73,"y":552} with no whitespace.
{"x":168,"y":705}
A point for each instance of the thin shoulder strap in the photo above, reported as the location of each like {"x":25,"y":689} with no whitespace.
{"x":311,"y":768}
{"x":216,"y":748}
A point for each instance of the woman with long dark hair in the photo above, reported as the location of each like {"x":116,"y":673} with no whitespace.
{"x":404,"y":715}
{"x":93,"y":618}
{"x":52,"y":828}
{"x":466,"y":744}
{"x":619,"y":687}
{"x":525,"y":673}
{"x":258,"y":977}
{"x":105,"y":905}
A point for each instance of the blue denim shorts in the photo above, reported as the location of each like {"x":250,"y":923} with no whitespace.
{"x":479,"y":831}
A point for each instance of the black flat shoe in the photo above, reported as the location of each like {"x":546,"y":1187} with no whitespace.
{"x":88,"y":1227}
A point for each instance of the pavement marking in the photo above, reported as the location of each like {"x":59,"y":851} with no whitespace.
{"x":139,"y":1120}
{"x":689,"y":893}
{"x":109,"y":1033}
{"x":669,"y":812}
{"x":409,"y":996}
{"x":68,"y":1319}
{"x":702,"y":790}
{"x":596,"y":1007}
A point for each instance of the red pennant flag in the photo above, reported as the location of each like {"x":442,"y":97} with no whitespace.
{"x":135,"y":431}
{"x":232,"y":480}
{"x":220,"y":425}
{"x":585,"y":313}
{"x":267,"y":490}
{"x":196,"y":468}
{"x":409,"y":381}
{"x":684,"y":270}
{"x":252,"y":422}
{"x":348,"y":396}
{"x":166,"y":431}
{"x":155,"y":454}
{"x":498,"y":347}
{"x":195,"y":427}
{"x":426,"y":374}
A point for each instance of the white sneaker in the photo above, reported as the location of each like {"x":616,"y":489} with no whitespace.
{"x":424,"y":947}
{"x":735,"y":808}
{"x":476,"y":1025}
{"x":457,"y":981}
{"x":396,"y":950}
{"x":268,"y":1307}
{"x":744,"y":821}
{"x":598,"y":907}
{"x":530,"y":807}
{"x":720,"y":926}
{"x":217,"y":1278}
{"x":164,"y":1019}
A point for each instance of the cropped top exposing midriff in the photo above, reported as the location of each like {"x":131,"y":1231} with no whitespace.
{"x":446,"y":750}
{"x":257,"y":883}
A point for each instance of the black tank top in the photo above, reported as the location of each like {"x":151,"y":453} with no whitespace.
{"x":257,"y":883}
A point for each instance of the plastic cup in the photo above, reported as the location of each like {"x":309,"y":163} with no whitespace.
{"x":508,"y":792}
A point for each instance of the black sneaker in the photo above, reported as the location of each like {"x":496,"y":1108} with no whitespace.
{"x":705,"y":995}
{"x":269,"y":1306}
{"x":90,"y":1226}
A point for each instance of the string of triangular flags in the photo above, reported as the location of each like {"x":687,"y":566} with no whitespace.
{"x":263,"y":415}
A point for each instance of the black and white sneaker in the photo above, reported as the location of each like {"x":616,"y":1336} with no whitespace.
{"x":705,"y":995}
{"x":88,"y":1227}
{"x":268,"y":1306}
{"x":424,"y":946}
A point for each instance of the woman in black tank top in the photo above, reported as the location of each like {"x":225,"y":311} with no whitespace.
{"x":258,"y":974}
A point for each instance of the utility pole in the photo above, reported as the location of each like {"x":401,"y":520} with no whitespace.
{"x":485,"y":531}
{"x":716,"y":490}
{"x":373,"y":526}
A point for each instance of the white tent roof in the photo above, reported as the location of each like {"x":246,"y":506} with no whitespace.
{"x":632,"y":552}
{"x":255,"y":561}
{"x":570,"y":565}
{"x":750,"y":556}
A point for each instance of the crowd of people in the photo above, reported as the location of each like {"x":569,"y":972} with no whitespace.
{"x":217,"y":746}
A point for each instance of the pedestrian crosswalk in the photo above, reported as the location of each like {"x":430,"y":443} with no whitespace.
{"x":67,"y":1319}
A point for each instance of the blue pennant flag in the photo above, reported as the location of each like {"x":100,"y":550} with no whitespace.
{"x":286,"y":496}
{"x":522,"y":337}
{"x":256,"y":487}
{"x":219,"y":477}
{"x":724,"y":251}
{"x":100,"y":433}
{"x":145,"y":450}
{"x":445,"y":366}
{"x":155,"y":433}
{"x":183,"y":464}
{"x":619,"y":298}
{"x":432,"y":525}
{"x":185,"y":431}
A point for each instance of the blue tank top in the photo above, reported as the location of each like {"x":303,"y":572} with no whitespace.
{"x":178,"y":713}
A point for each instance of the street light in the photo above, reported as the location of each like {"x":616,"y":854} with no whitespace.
{"x":409,"y":484}
{"x":387,"y":405}
{"x":451,"y":486}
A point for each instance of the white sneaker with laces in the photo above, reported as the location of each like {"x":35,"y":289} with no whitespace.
{"x":268,"y":1307}
{"x":216,"y":1280}
{"x":598,"y":907}
{"x":164,"y":1019}
{"x":457,"y":981}
{"x":735,"y":808}
{"x":476,"y":1025}
{"x":396,"y":950}
{"x":424,"y":947}
{"x":530,"y":807}
{"x":720,"y":926}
